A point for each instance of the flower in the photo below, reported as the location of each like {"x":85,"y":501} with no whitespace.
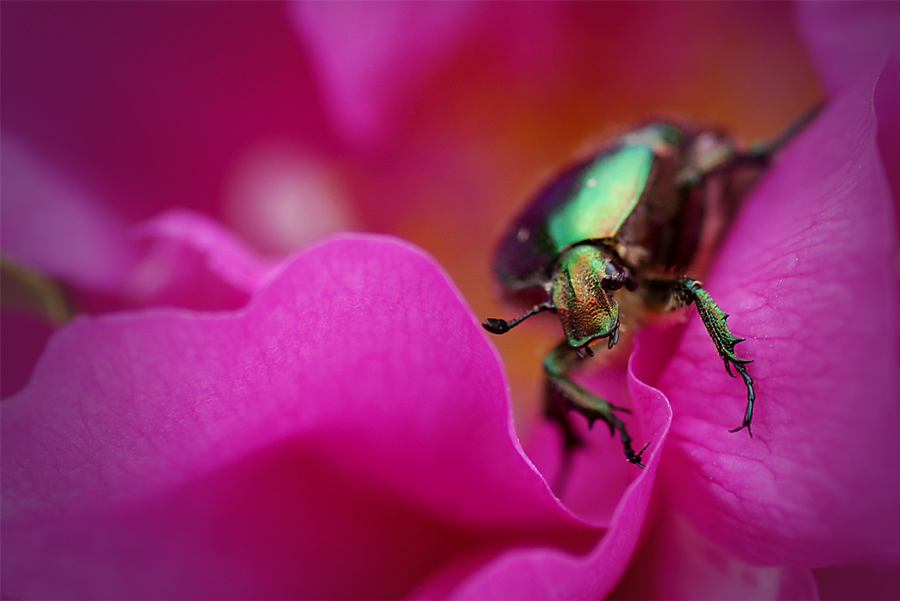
{"x":336,"y":424}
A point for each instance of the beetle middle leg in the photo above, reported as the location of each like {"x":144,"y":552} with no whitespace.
{"x":563,"y":395}
{"x":686,"y":291}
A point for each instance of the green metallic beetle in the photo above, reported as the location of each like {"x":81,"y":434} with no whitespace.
{"x":637,"y":216}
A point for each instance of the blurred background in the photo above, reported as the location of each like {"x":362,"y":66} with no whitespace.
{"x":432,"y":122}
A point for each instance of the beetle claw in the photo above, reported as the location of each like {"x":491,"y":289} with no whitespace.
{"x":751,"y":396}
{"x":741,"y":427}
{"x":636,"y":458}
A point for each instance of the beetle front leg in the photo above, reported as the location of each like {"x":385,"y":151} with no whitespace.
{"x":563,"y":395}
{"x":689,"y":291}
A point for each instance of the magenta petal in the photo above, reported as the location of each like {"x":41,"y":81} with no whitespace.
{"x":345,"y":435}
{"x":809,"y":276}
{"x":677,"y":562}
{"x":850,"y":41}
{"x":190,"y":261}
{"x":535,"y":573}
{"x":180,"y":259}
{"x":50,"y":224}
{"x":159,"y":101}
{"x":859,"y":582}
{"x":23,"y":340}
{"x":368,"y":54}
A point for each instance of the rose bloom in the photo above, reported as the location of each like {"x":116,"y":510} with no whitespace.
{"x":242,"y":409}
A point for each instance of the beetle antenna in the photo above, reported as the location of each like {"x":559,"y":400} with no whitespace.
{"x":761,"y":154}
{"x":795,"y":127}
{"x":499,"y":326}
{"x":764,"y":152}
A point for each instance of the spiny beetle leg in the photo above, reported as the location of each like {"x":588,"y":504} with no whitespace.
{"x":555,"y":410}
{"x":713,"y":317}
{"x":563,"y":392}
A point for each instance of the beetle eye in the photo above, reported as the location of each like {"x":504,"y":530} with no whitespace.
{"x":614,"y":278}
{"x":612,"y":284}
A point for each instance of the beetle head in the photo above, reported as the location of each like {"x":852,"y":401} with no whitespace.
{"x":581,"y":292}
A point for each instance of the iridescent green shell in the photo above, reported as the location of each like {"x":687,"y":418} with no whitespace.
{"x":589,"y":201}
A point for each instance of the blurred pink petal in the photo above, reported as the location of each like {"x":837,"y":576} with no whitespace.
{"x":22,"y":342}
{"x":858,"y":582}
{"x":345,"y":435}
{"x":677,"y":562}
{"x":188,"y":260}
{"x":282,"y":196}
{"x":155,"y":103}
{"x":808,"y":274}
{"x":369,"y":54}
{"x":857,"y":42}
{"x":850,"y":41}
{"x":50,"y":224}
{"x":180,"y":259}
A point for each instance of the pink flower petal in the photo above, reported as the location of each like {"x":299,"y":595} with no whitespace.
{"x":808,"y":274}
{"x":369,"y":54}
{"x":554,"y":574}
{"x":858,"y":582}
{"x":50,"y":224}
{"x":157,"y":102}
{"x":850,"y":41}
{"x":180,"y":259}
{"x":23,"y":340}
{"x":853,"y":42}
{"x":188,"y":260}
{"x":677,"y":562}
{"x":344,"y":435}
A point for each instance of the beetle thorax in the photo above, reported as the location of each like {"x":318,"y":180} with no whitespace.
{"x":586,"y":310}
